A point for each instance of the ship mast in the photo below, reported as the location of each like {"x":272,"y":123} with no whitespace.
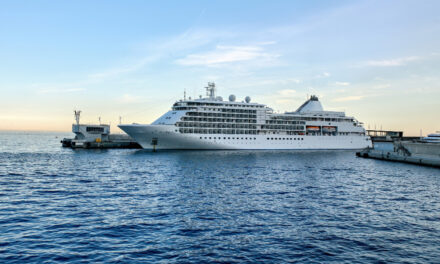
{"x":210,"y":90}
{"x":77,"y":115}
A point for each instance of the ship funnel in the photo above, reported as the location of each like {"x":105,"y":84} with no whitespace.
{"x":311,"y":105}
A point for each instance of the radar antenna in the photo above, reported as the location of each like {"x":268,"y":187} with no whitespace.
{"x":210,"y":90}
{"x":77,"y":115}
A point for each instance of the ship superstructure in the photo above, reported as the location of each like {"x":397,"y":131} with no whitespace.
{"x":432,"y":138}
{"x":213,"y":123}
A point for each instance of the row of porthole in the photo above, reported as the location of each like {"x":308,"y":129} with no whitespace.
{"x":285,"y":138}
{"x":254,"y":138}
{"x":230,"y":138}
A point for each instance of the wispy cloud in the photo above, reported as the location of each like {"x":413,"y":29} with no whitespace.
{"x":271,"y":82}
{"x":159,"y":49}
{"x":129,"y":98}
{"x":349,"y":98}
{"x":392,"y":62}
{"x":124,"y":69}
{"x":381,"y":86}
{"x":225,"y":54}
{"x":284,"y":97}
{"x":287,"y":93}
{"x":342,"y":83}
{"x":58,"y":90}
{"x":323,"y":75}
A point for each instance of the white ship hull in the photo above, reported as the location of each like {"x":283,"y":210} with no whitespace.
{"x":167,"y":137}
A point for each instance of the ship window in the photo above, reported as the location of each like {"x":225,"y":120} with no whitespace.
{"x":302,"y":138}
{"x":95,"y":129}
{"x":209,"y":137}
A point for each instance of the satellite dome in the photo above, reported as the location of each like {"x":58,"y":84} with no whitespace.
{"x":219,"y":98}
{"x":232,"y":98}
{"x":247,"y":99}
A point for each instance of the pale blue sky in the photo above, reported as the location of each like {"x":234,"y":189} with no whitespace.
{"x":377,"y":60}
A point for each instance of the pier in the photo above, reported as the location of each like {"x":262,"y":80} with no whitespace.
{"x":392,"y":146}
{"x":96,"y":136}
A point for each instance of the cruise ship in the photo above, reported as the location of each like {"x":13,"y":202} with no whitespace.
{"x":213,"y":123}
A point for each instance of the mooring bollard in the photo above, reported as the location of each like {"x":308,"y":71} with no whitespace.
{"x":154,"y":143}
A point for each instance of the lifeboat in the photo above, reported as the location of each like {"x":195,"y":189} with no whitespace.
{"x":313,"y":128}
{"x":328,"y":129}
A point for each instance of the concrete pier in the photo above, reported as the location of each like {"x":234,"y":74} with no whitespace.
{"x":420,"y":153}
{"x":113,"y":141}
{"x":96,"y":136}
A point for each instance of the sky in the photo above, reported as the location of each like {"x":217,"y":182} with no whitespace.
{"x":378,"y":61}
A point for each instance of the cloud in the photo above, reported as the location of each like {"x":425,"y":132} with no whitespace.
{"x":287,"y":93}
{"x":287,"y":81}
{"x":381,"y":86}
{"x":271,"y":82}
{"x":392,"y":62}
{"x":123,"y":69}
{"x":342,"y":83}
{"x":349,"y":98}
{"x":224,"y":55}
{"x":159,"y":49}
{"x":59,"y":90}
{"x":128,"y":98}
{"x":323,"y":75}
{"x":264,"y":43}
{"x":284,"y":97}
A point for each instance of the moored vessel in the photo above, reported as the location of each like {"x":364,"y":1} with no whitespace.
{"x":214,"y":123}
{"x":432,"y":138}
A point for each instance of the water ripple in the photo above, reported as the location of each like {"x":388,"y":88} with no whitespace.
{"x":134,"y":206}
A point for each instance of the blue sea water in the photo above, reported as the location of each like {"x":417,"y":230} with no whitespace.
{"x":134,"y":206}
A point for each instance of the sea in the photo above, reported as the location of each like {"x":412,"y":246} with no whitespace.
{"x":59,"y":205}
